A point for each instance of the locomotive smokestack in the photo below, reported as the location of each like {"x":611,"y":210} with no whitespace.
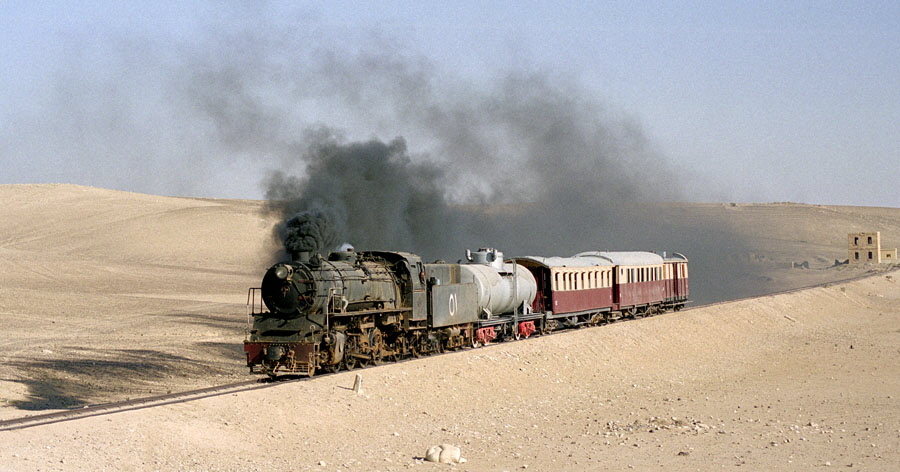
{"x":300,"y":256}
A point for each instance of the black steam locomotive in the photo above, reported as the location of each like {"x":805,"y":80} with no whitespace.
{"x":358,"y":308}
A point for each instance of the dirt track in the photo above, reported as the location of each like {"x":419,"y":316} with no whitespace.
{"x":109,"y":295}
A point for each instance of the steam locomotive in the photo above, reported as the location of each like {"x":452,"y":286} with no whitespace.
{"x":362,"y":308}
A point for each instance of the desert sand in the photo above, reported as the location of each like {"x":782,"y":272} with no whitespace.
{"x":108,"y":295}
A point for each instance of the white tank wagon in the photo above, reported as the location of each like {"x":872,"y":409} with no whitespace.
{"x":501,"y":286}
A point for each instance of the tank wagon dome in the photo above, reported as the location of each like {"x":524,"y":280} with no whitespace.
{"x":625,"y":258}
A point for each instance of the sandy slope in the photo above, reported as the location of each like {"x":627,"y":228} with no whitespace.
{"x":108,"y":295}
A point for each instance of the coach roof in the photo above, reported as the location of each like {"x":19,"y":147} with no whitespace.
{"x":587,"y":261}
{"x":625,"y":258}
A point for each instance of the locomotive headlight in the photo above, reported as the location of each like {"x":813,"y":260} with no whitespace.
{"x":283,"y":272}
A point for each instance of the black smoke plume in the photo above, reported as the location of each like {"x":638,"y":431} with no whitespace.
{"x":525,"y":161}
{"x":371,"y":194}
{"x":309,"y":231}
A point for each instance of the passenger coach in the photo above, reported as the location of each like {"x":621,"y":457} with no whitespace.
{"x":601,"y":286}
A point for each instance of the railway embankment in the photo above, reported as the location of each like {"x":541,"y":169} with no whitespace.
{"x":789,"y":381}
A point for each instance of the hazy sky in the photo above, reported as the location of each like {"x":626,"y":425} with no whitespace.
{"x":747,"y":101}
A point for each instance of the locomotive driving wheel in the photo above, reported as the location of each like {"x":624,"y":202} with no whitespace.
{"x":351,"y":347}
{"x":376,"y":343}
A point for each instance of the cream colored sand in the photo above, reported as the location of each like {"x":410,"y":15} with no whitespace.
{"x":109,"y":295}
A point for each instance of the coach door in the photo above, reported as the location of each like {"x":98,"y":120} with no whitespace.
{"x":619,"y":278}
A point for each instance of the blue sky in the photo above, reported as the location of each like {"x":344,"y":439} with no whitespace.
{"x":743,"y":101}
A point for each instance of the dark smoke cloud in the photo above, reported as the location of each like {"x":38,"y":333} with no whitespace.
{"x":530,"y":164}
{"x":371,"y":193}
{"x":309,"y":231}
{"x":527,"y":162}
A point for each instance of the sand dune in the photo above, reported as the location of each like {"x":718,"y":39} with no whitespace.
{"x":108,"y":295}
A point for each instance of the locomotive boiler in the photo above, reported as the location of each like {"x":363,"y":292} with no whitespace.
{"x":357,"y":308}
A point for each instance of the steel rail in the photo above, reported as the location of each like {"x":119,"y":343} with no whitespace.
{"x":134,"y":404}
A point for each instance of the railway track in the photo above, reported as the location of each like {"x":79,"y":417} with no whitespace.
{"x":256,"y":384}
{"x":135,"y":404}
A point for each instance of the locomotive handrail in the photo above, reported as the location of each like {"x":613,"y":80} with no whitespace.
{"x":251,"y":301}
{"x":251,"y":305}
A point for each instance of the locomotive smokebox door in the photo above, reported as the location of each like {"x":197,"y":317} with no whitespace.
{"x":452,"y":304}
